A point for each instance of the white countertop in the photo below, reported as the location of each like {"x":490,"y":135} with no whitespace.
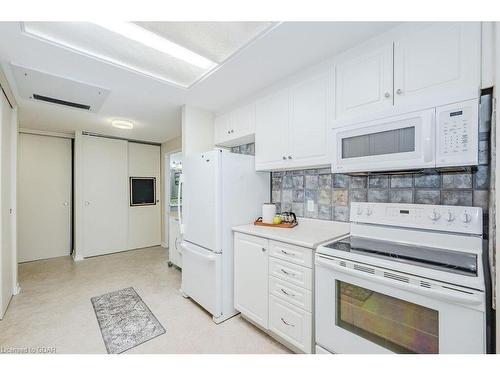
{"x":309,"y":233}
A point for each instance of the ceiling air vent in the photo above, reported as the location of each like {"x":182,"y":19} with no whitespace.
{"x":44,"y":87}
{"x":60,"y":102}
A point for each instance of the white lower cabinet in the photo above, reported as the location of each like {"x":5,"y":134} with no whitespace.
{"x":291,"y":323}
{"x":272,"y":290}
{"x":250,"y":277}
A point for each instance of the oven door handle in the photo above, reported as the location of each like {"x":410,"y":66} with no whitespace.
{"x":452,"y":296}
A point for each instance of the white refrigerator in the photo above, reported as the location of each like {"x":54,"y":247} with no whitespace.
{"x":220,"y":190}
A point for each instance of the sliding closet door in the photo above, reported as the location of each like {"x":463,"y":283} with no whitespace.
{"x":105,"y":195}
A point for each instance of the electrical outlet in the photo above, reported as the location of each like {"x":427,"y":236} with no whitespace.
{"x":310,"y":205}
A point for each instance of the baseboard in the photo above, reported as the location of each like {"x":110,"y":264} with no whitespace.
{"x":164,"y":245}
{"x":76,"y":256}
{"x":17,"y":289}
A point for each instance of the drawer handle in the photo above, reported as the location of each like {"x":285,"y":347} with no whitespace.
{"x":286,"y":293}
{"x":287,"y":253}
{"x":288,"y":324}
{"x":288,"y":273}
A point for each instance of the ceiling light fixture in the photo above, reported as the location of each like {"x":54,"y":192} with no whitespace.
{"x":122,"y":124}
{"x":152,"y":40}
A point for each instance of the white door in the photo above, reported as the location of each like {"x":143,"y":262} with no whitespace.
{"x":363,"y":82}
{"x":105,"y":195}
{"x":6,"y":257}
{"x":201,"y":200}
{"x":251,"y":281}
{"x":311,"y":102}
{"x":437,"y":65}
{"x":243,"y":121}
{"x":44,"y":197}
{"x":271,"y":132}
{"x":144,"y":222}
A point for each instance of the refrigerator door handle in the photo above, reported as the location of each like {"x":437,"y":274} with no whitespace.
{"x":179,"y":205}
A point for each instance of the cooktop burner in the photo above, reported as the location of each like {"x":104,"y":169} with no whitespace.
{"x":441,"y":259}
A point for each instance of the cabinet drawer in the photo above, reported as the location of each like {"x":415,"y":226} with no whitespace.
{"x":297,"y":296}
{"x":291,"y":323}
{"x":295,"y":254}
{"x":290,"y":272}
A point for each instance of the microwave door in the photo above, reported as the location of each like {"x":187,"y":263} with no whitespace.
{"x":403,"y":142}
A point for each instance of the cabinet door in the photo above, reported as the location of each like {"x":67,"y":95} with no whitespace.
{"x":243,"y":122}
{"x":437,"y":65}
{"x":222,"y":129}
{"x":271,"y":132}
{"x":251,"y":281}
{"x":174,"y":240}
{"x":363,"y":82}
{"x":310,"y":110}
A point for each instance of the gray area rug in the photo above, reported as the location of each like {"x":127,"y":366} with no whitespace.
{"x":125,"y":320}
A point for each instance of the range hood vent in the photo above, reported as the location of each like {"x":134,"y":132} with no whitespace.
{"x":61,"y":102}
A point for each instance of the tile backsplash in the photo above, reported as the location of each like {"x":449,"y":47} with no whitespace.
{"x":329,"y":195}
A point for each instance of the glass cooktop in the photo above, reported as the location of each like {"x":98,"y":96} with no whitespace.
{"x":440,"y":259}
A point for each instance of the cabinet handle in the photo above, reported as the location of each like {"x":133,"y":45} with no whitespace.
{"x":399,"y":91}
{"x":228,"y":132}
{"x":284,"y":157}
{"x":263,"y":249}
{"x":287,"y":253}
{"x":286,"y":293}
{"x":288,"y":273}
{"x":288,"y":324}
{"x":387,"y":95}
{"x":289,"y":157}
{"x":232,"y":130}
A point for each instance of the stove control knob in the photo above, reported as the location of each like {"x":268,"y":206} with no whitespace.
{"x":368,"y":211}
{"x":450,"y":217}
{"x":434,"y":215}
{"x":466,"y":218}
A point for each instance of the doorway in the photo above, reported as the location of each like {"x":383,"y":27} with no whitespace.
{"x":45,"y":197}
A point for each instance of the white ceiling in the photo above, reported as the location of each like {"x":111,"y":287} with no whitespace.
{"x":153,"y":105}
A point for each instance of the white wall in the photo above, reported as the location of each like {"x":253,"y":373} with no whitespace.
{"x":197,"y":130}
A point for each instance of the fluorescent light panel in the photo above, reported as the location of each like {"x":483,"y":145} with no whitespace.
{"x":152,"y":40}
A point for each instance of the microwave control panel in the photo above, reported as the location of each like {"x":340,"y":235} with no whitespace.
{"x":457,"y":131}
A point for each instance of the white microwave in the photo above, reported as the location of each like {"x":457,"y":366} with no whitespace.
{"x":443,"y":136}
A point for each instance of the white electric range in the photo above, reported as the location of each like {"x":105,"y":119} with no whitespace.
{"x":408,"y":279}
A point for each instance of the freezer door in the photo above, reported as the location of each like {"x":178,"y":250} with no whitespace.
{"x":201,"y":199}
{"x":201,"y":277}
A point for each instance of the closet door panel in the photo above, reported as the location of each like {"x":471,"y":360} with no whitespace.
{"x":105,"y":196}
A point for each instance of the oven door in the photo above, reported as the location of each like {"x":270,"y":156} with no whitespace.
{"x":396,"y":143}
{"x":359,"y":311}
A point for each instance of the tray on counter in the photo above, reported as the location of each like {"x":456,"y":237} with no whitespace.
{"x":259,"y":222}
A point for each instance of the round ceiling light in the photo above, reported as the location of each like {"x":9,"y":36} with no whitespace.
{"x":122,"y":124}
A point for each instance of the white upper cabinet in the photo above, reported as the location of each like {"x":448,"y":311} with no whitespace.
{"x":236,"y":127}
{"x":291,"y":125}
{"x":271,"y":131}
{"x":310,"y":114}
{"x":363,"y":81}
{"x":437,"y":65}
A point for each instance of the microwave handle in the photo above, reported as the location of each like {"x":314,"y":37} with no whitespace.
{"x":430,"y":138}
{"x":450,"y":296}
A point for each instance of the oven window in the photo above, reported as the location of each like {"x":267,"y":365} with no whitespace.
{"x":381,"y":143}
{"x":400,"y":326}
